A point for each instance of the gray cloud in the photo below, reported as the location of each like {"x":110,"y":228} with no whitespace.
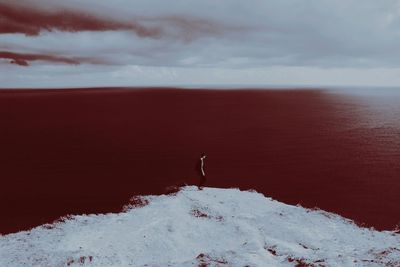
{"x":241,"y":35}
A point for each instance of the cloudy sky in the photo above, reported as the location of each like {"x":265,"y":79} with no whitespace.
{"x":72,"y":43}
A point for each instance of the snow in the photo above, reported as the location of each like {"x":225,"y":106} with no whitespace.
{"x":209,"y":227}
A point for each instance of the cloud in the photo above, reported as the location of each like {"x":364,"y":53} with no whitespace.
{"x":24,"y":59}
{"x":30,"y":19}
{"x":226,"y":34}
{"x":18,"y":18}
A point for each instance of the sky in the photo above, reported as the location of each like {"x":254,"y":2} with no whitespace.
{"x":72,"y":43}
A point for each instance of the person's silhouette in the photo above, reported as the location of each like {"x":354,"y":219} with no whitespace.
{"x":201,"y":170}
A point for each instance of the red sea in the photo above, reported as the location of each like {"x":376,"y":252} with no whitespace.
{"x":81,"y":151}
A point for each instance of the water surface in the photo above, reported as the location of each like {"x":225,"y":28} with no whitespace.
{"x":88,"y":151}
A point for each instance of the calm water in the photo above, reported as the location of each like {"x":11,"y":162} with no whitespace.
{"x":85,"y":151}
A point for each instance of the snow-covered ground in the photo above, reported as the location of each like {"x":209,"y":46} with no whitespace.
{"x":210,"y":227}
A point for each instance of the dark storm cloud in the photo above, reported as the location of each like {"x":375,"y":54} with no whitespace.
{"x":17,"y":18}
{"x":32,"y":18}
{"x":24,"y":59}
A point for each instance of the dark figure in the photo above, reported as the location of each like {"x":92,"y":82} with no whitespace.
{"x":200,"y":169}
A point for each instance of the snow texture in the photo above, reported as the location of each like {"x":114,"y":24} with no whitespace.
{"x":209,"y":227}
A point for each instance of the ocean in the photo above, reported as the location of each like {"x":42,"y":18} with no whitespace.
{"x":76,"y":151}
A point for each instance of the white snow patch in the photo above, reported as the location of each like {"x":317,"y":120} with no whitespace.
{"x":209,"y":227}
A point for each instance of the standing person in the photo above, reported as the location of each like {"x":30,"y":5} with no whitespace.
{"x":201,"y":170}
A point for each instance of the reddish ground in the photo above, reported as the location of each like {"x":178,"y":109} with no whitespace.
{"x":88,"y":151}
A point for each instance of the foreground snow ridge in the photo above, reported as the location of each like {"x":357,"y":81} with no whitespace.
{"x":209,"y":227}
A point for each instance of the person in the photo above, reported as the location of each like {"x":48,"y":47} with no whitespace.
{"x":201,"y":169}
